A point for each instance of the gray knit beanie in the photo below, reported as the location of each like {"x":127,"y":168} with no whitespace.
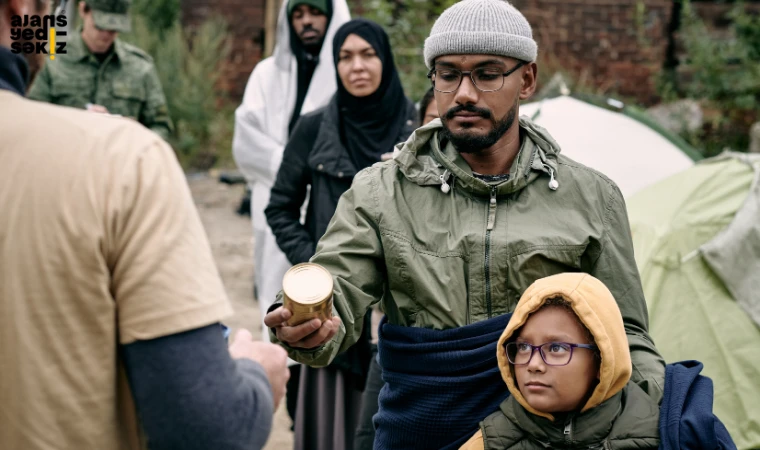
{"x":488,"y":27}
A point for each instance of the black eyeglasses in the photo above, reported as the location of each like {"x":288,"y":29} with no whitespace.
{"x":486,"y":79}
{"x":553,"y":353}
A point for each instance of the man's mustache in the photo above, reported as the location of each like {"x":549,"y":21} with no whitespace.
{"x":486,"y":114}
{"x":308,"y":28}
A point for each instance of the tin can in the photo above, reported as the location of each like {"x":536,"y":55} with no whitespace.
{"x":307,"y":292}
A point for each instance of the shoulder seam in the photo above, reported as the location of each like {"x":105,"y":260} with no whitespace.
{"x":133,"y":49}
{"x":598,"y":174}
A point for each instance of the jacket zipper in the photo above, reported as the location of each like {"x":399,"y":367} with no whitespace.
{"x":569,"y":431}
{"x":489,"y":227}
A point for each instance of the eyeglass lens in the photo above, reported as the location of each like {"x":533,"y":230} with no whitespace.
{"x":553,"y":353}
{"x":484,"y":78}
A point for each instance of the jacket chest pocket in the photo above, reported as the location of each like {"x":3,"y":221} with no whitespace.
{"x":429,"y":288}
{"x":539,"y":261}
{"x":71,"y":92}
{"x":127,"y":98}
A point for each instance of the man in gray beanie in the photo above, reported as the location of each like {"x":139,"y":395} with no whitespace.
{"x":448,"y":235}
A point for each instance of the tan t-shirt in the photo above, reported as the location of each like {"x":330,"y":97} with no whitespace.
{"x":100,"y":245}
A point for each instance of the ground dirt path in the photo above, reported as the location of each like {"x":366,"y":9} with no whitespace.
{"x":232,"y":244}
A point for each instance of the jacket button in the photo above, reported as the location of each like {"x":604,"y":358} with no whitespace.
{"x":320,"y":167}
{"x":409,"y":122}
{"x":340,"y":174}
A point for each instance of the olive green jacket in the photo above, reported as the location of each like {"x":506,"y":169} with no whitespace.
{"x":441,"y":260}
{"x":126,"y":83}
{"x":628,"y":420}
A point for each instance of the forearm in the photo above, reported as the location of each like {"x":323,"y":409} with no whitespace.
{"x":190,"y":394}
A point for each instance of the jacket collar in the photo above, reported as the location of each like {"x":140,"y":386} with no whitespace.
{"x":77,"y":50}
{"x":329,"y":151}
{"x":568,"y":430}
{"x":422,"y":161}
{"x":14,"y":72}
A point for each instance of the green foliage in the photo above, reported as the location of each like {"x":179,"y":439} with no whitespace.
{"x":187,"y":61}
{"x":723,"y":74}
{"x":160,"y":15}
{"x":408,"y":24}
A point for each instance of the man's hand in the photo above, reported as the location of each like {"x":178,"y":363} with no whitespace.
{"x":97,"y":108}
{"x":272,"y":357}
{"x":309,"y":334}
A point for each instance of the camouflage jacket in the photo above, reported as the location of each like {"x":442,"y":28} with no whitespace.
{"x":126,"y":83}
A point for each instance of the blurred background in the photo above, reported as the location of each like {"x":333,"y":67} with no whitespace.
{"x":696,"y":62}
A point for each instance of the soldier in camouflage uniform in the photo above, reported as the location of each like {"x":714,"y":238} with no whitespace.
{"x":103,"y":74}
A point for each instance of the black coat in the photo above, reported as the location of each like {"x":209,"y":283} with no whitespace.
{"x":316,"y":159}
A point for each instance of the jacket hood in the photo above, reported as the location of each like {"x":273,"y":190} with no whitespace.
{"x":422,"y":160}
{"x":597,"y":309}
{"x":283,"y":53}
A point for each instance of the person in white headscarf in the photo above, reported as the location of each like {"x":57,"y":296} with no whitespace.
{"x":298,"y":78}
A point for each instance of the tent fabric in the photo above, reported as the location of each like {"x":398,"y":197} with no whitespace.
{"x":625,"y":149}
{"x":734,"y":255}
{"x":693,"y":314}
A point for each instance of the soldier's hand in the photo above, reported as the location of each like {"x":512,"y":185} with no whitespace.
{"x":97,"y":108}
{"x":309,"y":334}
{"x":272,"y":358}
{"x":386,"y":156}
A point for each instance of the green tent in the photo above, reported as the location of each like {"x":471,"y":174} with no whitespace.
{"x":697,"y":241}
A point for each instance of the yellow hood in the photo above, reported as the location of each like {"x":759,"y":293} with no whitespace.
{"x":599,"y":312}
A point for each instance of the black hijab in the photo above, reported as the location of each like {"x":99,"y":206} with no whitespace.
{"x":371,"y":125}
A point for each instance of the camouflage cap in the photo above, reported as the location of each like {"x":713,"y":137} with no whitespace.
{"x":111,"y":15}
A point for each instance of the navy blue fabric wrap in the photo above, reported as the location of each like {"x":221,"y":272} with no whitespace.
{"x":438,"y":384}
{"x":686,"y":412}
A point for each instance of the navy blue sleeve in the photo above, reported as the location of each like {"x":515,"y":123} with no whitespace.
{"x":191,"y":394}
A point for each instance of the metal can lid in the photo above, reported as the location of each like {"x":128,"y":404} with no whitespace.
{"x":307,"y":284}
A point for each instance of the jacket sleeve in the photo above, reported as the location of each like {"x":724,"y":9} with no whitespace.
{"x":155,"y":114}
{"x":40,"y":89}
{"x":208,"y":401}
{"x":616,"y":268}
{"x":352,"y":252}
{"x":288,"y":194}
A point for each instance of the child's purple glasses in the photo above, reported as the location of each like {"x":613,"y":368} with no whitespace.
{"x":553,"y":353}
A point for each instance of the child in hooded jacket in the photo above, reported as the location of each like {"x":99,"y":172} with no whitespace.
{"x":565,"y":359}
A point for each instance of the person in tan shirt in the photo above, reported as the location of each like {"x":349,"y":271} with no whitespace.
{"x":110,"y":302}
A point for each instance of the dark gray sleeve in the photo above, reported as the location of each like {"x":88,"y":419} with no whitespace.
{"x":191,"y":394}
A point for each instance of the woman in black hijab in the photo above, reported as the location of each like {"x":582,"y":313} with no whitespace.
{"x":368,"y":115}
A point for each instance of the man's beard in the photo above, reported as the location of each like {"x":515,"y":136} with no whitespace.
{"x":466,"y":142}
{"x":313,"y":45}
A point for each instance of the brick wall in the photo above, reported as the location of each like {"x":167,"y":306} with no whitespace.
{"x":246,"y":22}
{"x":612,"y":45}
